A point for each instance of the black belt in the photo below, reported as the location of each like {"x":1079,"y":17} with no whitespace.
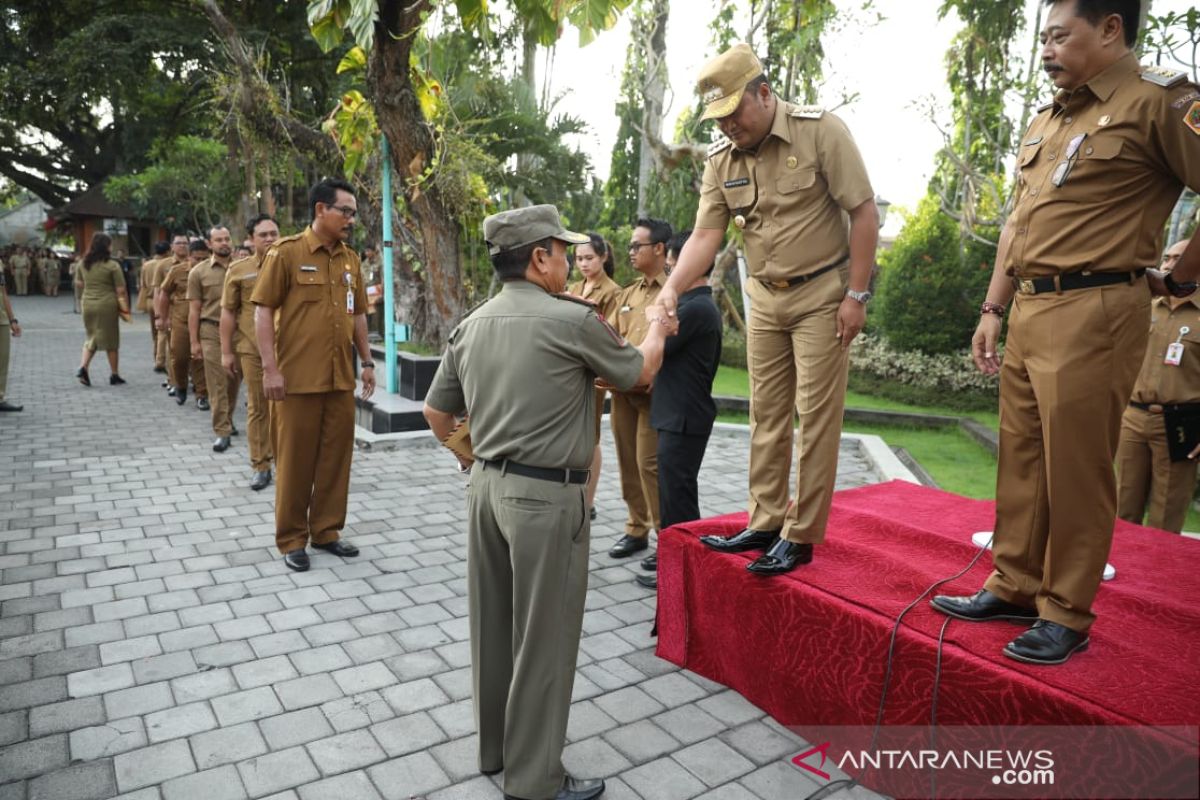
{"x":1158,"y":408}
{"x":540,"y":473}
{"x":211,"y":321}
{"x":790,"y":282}
{"x":1074,"y":280}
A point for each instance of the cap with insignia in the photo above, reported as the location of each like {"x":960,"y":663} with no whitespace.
{"x":723,"y":79}
{"x":509,"y":230}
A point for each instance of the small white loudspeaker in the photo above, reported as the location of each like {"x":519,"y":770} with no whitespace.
{"x":984,"y":539}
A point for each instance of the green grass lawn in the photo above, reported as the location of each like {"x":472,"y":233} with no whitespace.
{"x":735,"y":382}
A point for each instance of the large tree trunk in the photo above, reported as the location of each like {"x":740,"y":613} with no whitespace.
{"x":655,"y":87}
{"x":430,"y":296}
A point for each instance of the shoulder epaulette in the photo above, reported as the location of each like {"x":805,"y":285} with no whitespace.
{"x":717,"y":146}
{"x":1163,"y":76}
{"x":1045,"y":107}
{"x":283,"y":239}
{"x":806,"y":112}
{"x":571,"y":298}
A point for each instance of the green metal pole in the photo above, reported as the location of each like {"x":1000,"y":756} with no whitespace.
{"x":389,"y":290}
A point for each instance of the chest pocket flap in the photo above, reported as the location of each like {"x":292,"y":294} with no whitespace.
{"x":739,"y":198}
{"x":317,"y":278}
{"x":1029,"y":153}
{"x":1101,"y":149}
{"x":796,"y":181}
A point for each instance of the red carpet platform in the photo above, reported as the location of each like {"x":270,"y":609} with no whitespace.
{"x":810,"y":647}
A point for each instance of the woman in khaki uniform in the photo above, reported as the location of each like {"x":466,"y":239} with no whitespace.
{"x":596,"y":265}
{"x":104,"y":299}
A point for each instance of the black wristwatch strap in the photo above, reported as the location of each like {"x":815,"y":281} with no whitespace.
{"x":368,"y":365}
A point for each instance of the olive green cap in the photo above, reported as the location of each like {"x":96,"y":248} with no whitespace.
{"x":509,"y":230}
{"x":723,"y":79}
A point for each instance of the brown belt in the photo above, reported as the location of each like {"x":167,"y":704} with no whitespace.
{"x":790,"y":282}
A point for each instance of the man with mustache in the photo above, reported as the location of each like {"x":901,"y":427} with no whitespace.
{"x":1099,"y":170}
{"x":205,"y":283}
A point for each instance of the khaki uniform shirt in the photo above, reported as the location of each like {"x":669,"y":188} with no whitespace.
{"x":205,"y":283}
{"x":307,"y":285}
{"x":147,"y":281}
{"x":631,"y":304}
{"x":1132,"y":146}
{"x":791,"y":196}
{"x":19,"y":262}
{"x":603,"y":293}
{"x":523,"y":367}
{"x":174,"y":283}
{"x":1159,"y":382}
{"x":239,"y":285}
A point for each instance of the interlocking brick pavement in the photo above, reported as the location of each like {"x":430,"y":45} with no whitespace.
{"x":153,"y":647}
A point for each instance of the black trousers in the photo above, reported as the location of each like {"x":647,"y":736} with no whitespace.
{"x":679,"y":457}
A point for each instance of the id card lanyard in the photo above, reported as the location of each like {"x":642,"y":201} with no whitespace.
{"x":346,"y":279}
{"x":1175,"y":350}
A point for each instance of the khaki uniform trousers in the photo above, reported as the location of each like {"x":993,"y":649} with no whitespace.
{"x":1069,"y":366}
{"x":53,"y":279}
{"x":797,"y":366}
{"x":181,"y":364}
{"x":21,"y":276}
{"x":527,"y":562}
{"x":5,"y":350}
{"x":312,"y":436}
{"x":258,"y":423}
{"x":158,"y":341}
{"x":221,"y":402}
{"x":1153,"y":487}
{"x":637,"y":460}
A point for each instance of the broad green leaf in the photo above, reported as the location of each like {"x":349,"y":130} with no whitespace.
{"x":354,"y":60}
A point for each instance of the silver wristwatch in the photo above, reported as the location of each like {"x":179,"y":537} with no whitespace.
{"x":862,"y":297}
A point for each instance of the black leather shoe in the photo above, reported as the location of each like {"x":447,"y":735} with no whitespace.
{"x":297,"y":560}
{"x":7,"y":406}
{"x":160,"y":369}
{"x":202,"y":404}
{"x":748,"y":539}
{"x":339,"y":547}
{"x":82,"y":375}
{"x":221,"y":444}
{"x":260,"y":480}
{"x":180,"y":396}
{"x":491,"y":772}
{"x":983,"y":606}
{"x":628,"y":545}
{"x":784,"y":556}
{"x":170,"y":389}
{"x":650,"y":563}
{"x":115,"y":380}
{"x":1046,"y":643}
{"x":574,"y":789}
{"x":649,"y":581}
{"x":233,"y":431}
{"x":592,"y":513}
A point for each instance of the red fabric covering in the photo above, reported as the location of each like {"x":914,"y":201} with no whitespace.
{"x":810,"y":647}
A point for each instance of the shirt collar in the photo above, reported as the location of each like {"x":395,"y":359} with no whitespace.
{"x":314,"y":243}
{"x":1103,"y":84}
{"x":779,"y":125}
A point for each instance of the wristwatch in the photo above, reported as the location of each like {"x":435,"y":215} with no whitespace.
{"x":367,"y":365}
{"x":862,"y":297}
{"x":1179,"y":289}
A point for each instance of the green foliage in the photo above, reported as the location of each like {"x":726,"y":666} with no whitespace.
{"x":733,"y":349}
{"x":189,"y":184}
{"x":931,"y":283}
{"x":795,"y":52}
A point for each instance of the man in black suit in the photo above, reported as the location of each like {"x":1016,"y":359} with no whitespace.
{"x":682,"y":409}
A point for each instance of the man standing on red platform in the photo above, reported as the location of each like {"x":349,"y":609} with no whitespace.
{"x":1099,"y":171}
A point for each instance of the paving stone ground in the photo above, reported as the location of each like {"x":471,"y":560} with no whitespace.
{"x":153,"y":647}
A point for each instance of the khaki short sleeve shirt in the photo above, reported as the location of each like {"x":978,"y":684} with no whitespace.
{"x":523,"y":365}
{"x":630,"y":313}
{"x":791,"y":196}
{"x":316,"y":292}
{"x":205,"y":283}
{"x":1099,"y":171}
{"x":603,"y":293}
{"x":1171,"y":321}
{"x":235,"y":297}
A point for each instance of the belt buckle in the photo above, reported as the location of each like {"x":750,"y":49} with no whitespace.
{"x":779,"y":284}
{"x":1155,"y":408}
{"x":1025,"y":286}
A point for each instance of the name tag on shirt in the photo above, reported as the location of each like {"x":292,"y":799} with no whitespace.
{"x":1174,"y":354}
{"x":307,"y":268}
{"x":349,"y":301}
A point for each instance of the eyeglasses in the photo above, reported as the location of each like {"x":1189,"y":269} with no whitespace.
{"x":635,"y":246}
{"x":346,"y":211}
{"x":1064,"y":169}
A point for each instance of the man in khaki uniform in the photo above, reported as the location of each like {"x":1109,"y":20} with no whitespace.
{"x":51,"y":273}
{"x":172,"y":312}
{"x":523,"y":366}
{"x":205,"y":283}
{"x":1152,"y":487}
{"x":9,"y":329}
{"x":148,"y":281}
{"x":793,"y":183}
{"x":311,"y":309}
{"x":636,"y":440}
{"x":20,"y":267}
{"x":178,"y":254}
{"x":1098,"y":172}
{"x":239,"y":345}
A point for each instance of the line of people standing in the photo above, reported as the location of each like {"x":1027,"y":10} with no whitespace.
{"x":31,"y":269}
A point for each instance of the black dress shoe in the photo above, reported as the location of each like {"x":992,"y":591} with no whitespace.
{"x":260,"y":480}
{"x":784,"y":556}
{"x":1046,"y":643}
{"x":202,"y":404}
{"x":233,"y":431}
{"x":160,"y":369}
{"x":297,"y":560}
{"x":82,"y":375}
{"x":574,"y":789}
{"x":221,"y":444}
{"x":180,"y":396}
{"x":592,"y":513}
{"x":170,"y":389}
{"x":115,"y":380}
{"x":983,"y":606}
{"x":649,"y":581}
{"x":491,"y":772}
{"x":628,"y":545}
{"x":7,"y":406}
{"x":650,"y":563}
{"x":749,"y":539}
{"x":339,"y":547}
